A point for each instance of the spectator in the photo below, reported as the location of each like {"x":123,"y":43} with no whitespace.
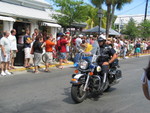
{"x":73,"y":44}
{"x":148,"y":47}
{"x":78,"y":42}
{"x":137,"y":48}
{"x":5,"y":55}
{"x":68,"y":38}
{"x":27,"y":48}
{"x":58,"y":42}
{"x":63,"y":51}
{"x":35,"y":34}
{"x":125,"y":49}
{"x":116,"y":46}
{"x":146,"y":82}
{"x":145,"y":47}
{"x":58,"y":36}
{"x":13,"y":45}
{"x":45,"y":35}
{"x":37,"y":50}
{"x":131,"y":48}
{"x":49,"y":43}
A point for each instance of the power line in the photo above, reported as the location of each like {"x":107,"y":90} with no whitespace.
{"x":132,"y":8}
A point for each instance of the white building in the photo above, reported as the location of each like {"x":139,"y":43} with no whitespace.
{"x":22,"y":14}
{"x":122,"y":20}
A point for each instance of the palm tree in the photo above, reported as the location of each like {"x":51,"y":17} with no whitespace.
{"x":117,"y":4}
{"x":111,"y":6}
{"x":93,"y":20}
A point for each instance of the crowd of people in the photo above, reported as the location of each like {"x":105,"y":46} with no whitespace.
{"x":65,"y":45}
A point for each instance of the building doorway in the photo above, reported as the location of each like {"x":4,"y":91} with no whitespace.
{"x":20,"y":28}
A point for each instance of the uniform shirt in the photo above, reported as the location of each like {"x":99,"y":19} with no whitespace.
{"x":6,"y":44}
{"x":13,"y":41}
{"x":105,"y":52}
{"x":49,"y":46}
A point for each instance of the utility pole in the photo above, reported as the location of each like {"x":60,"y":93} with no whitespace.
{"x":146,"y":9}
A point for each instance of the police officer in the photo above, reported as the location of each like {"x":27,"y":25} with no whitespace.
{"x":107,"y":54}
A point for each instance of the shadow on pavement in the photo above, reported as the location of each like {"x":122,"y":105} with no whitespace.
{"x":67,"y":92}
{"x":68,"y":99}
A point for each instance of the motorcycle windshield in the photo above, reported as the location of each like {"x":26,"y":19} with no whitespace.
{"x":87,"y":58}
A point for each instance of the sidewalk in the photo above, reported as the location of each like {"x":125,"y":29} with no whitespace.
{"x":21,"y":68}
{"x":134,"y":56}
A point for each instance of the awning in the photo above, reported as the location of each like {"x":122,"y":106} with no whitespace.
{"x":51,"y":24}
{"x":24,"y":12}
{"x":7,"y":18}
{"x":113,"y":32}
{"x":96,"y":30}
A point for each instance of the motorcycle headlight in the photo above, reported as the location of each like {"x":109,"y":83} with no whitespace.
{"x":98,"y":69}
{"x":83,"y":64}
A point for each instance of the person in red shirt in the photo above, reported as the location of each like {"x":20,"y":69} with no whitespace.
{"x":49,"y":44}
{"x":62,"y":51}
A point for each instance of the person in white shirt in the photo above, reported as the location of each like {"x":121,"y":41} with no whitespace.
{"x":78,"y":42}
{"x":13,"y":45}
{"x":5,"y":54}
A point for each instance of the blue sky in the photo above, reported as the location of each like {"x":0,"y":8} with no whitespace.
{"x":135,"y":7}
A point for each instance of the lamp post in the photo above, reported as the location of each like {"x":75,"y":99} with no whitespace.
{"x":100,"y":14}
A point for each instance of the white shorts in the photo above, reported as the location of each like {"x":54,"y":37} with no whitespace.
{"x":27,"y":52}
{"x":5,"y":59}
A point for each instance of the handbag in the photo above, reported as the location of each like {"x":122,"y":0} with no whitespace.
{"x":146,"y":86}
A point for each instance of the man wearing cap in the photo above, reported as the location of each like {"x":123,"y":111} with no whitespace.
{"x":62,"y":51}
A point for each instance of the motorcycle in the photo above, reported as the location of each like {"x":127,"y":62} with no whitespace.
{"x":88,"y":78}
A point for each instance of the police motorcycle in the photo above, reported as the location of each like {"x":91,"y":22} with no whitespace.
{"x":88,"y":78}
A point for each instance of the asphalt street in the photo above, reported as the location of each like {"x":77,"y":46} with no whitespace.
{"x":50,"y":92}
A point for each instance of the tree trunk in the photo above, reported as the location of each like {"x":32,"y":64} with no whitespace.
{"x":108,"y":19}
{"x":112,"y":15}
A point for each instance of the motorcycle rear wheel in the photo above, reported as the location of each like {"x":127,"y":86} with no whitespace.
{"x":77,"y":93}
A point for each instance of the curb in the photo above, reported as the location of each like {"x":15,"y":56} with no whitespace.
{"x":42,"y":66}
{"x":64,"y":64}
{"x":135,"y":55}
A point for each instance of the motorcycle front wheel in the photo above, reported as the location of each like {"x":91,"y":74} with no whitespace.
{"x":77,"y":93}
